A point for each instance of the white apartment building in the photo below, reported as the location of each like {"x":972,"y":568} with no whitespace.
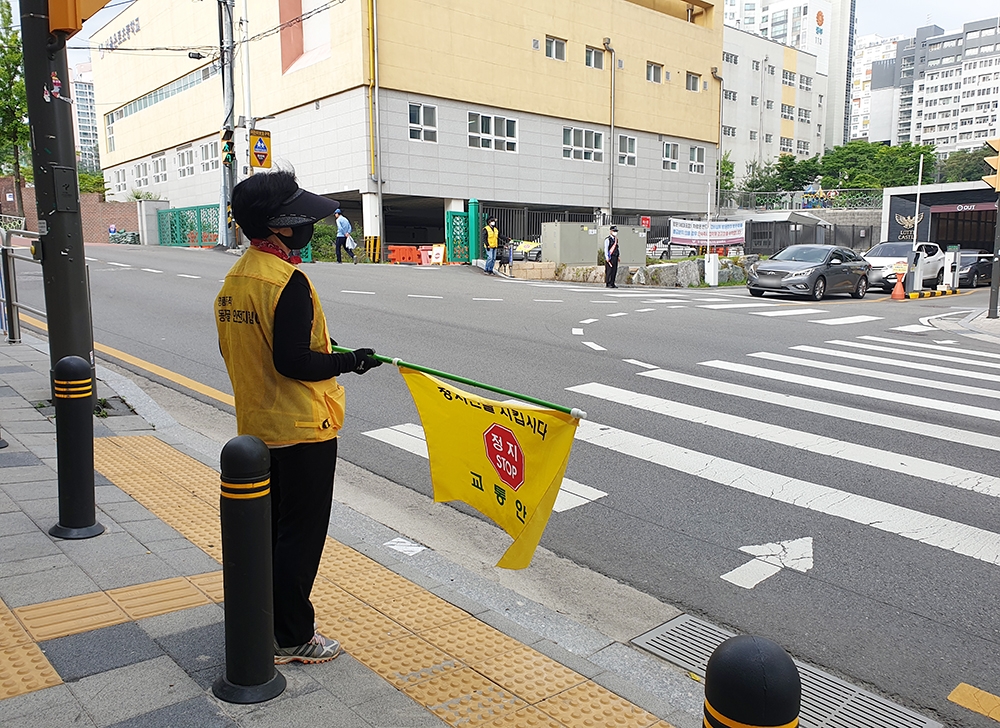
{"x":943,"y":88}
{"x":867,"y":50}
{"x":773,"y":100}
{"x":824,"y":28}
{"x":85,"y":118}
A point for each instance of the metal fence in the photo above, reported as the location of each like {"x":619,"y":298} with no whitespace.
{"x":189,"y":226}
{"x":860,"y":199}
{"x":10,"y":222}
{"x":12,"y":307}
{"x":767,"y":238}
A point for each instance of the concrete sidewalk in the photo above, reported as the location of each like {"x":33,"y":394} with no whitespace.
{"x":126,"y":629}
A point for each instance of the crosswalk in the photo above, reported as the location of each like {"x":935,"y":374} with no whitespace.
{"x":921,"y":396}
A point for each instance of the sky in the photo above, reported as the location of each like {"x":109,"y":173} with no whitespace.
{"x":903,"y":17}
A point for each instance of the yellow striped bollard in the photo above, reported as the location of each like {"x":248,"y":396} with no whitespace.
{"x":750,"y":682}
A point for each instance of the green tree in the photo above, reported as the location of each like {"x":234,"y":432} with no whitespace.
{"x":793,"y":175}
{"x":13,"y":103}
{"x":860,"y":163}
{"x":90,"y":181}
{"x":966,"y":166}
{"x":759,"y":177}
{"x":726,"y":172}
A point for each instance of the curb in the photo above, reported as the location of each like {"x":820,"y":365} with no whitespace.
{"x":931,"y":294}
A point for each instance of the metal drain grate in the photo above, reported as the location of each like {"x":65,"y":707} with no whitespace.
{"x":826,"y":701}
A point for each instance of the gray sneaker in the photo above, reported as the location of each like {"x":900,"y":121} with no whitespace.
{"x":318,"y":649}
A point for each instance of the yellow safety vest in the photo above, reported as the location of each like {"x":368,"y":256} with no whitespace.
{"x":492,"y":236}
{"x":278,"y":410}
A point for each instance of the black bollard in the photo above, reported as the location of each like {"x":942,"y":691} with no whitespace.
{"x":753,"y":683}
{"x":73,"y":396}
{"x":245,"y":509}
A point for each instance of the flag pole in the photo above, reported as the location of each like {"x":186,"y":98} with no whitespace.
{"x":572,"y":411}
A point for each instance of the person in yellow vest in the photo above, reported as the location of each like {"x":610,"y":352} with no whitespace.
{"x":274,"y":338}
{"x":491,"y":241}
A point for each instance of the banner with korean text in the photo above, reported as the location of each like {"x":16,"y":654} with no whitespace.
{"x":505,"y":460}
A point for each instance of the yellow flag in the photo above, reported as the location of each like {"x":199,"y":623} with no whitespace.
{"x":506,"y":461}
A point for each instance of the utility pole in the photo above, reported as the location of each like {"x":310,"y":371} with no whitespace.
{"x":993,"y":181}
{"x":57,"y":193}
{"x":227,"y":236}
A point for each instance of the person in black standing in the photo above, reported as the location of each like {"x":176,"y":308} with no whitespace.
{"x":611,"y":258}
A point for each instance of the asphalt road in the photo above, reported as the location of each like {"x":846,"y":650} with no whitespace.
{"x":710,"y":429}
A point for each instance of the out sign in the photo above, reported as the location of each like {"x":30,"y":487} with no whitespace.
{"x":505,"y":455}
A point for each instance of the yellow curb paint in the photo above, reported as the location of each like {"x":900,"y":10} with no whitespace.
{"x":976,"y":700}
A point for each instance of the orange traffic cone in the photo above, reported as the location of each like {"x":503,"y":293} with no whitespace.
{"x":899,"y":293}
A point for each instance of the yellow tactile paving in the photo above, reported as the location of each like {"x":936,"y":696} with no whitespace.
{"x":375,"y":586}
{"x":328,"y":598}
{"x":11,"y":631}
{"x":358,"y":628}
{"x":158,"y":597}
{"x":470,"y":640}
{"x":421,"y":611}
{"x":24,"y":669}
{"x":529,"y":674}
{"x":465,"y":698}
{"x":70,"y":616}
{"x":591,"y":705}
{"x":210,"y":584}
{"x":407,"y":661}
{"x":530,"y":717}
{"x":339,"y":560}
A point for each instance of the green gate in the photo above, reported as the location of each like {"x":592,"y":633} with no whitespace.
{"x":189,"y":226}
{"x":463,"y":239}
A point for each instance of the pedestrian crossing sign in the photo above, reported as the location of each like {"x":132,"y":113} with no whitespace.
{"x":260,"y":148}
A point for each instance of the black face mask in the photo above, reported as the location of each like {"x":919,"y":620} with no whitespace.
{"x":300,"y":237}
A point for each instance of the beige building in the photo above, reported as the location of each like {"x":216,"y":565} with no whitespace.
{"x":511,"y":103}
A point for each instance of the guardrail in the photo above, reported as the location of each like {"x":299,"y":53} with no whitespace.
{"x":12,"y":307}
{"x":10,"y":222}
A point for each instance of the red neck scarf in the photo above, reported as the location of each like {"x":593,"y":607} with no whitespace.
{"x":266,"y":246}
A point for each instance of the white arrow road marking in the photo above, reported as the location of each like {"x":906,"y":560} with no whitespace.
{"x":772,"y":558}
{"x":404,"y":546}
{"x":410,"y":437}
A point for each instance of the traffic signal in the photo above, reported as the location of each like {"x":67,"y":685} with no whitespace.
{"x":993,"y":180}
{"x":228,"y":148}
{"x":68,"y":15}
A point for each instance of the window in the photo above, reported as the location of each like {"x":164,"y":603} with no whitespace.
{"x":787,"y":112}
{"x":209,"y":156}
{"x":753,"y":135}
{"x":730,"y":58}
{"x":769,"y":138}
{"x":770,"y":70}
{"x":583,"y":144}
{"x":119,"y":180}
{"x":492,"y":132}
{"x":769,"y":104}
{"x":654,"y":72}
{"x":729,"y":95}
{"x":693,"y":81}
{"x":755,"y":100}
{"x":805,"y":116}
{"x":696,"y":160}
{"x":671,"y":156}
{"x":802,"y":147}
{"x":756,"y":65}
{"x":788,"y":78}
{"x":555,"y":48}
{"x":141,"y":173}
{"x":423,"y":122}
{"x":805,"y":83}
{"x":595,"y":58}
{"x":626,"y":150}
{"x":159,"y":169}
{"x":185,"y":163}
{"x":786,"y":144}
{"x":729,"y":131}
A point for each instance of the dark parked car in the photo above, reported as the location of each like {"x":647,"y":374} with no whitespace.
{"x":810,"y":270}
{"x":975,"y":268}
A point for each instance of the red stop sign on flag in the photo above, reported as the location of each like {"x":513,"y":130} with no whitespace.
{"x":505,"y":455}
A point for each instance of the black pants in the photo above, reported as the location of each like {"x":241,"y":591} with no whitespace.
{"x":301,"y":497}
{"x":611,"y":271}
{"x":342,"y":243}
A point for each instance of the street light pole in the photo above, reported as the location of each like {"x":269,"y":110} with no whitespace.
{"x":226,"y":47}
{"x":613,"y":157}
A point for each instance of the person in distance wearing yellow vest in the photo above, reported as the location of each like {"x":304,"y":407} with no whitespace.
{"x":274,"y":338}
{"x":491,"y":241}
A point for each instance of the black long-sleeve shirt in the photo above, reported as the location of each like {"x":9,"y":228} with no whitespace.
{"x":293,"y":320}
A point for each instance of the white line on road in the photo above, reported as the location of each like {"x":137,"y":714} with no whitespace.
{"x":751,"y":573}
{"x":819,"y":444}
{"x":152,"y":270}
{"x":120,"y":265}
{"x":923,"y":354}
{"x":614,"y":302}
{"x":487,"y":299}
{"x":790,"y":312}
{"x":925,"y":528}
{"x":616,"y":315}
{"x":815,"y":406}
{"x":920,"y":366}
{"x":588,"y":321}
{"x":595,"y":347}
{"x":548,"y":300}
{"x":873,"y":374}
{"x":875,"y":395}
{"x":735,"y":305}
{"x":846,"y":320}
{"x":577,"y":332}
{"x":676,"y":306}
{"x":638,"y":363}
{"x":417,"y":295}
{"x":914,"y":328}
{"x":920,"y":345}
{"x":92,"y":260}
{"x":644,"y":310}
{"x":410,"y":437}
{"x":362,"y":293}
{"x":185,"y":275}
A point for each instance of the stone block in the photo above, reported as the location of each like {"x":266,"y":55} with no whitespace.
{"x":663,"y":274}
{"x":688,"y":273}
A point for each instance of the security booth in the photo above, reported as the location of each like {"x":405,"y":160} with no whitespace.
{"x":770,"y":232}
